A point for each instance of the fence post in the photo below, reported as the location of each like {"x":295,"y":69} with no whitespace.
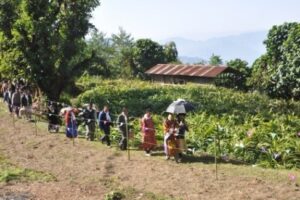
{"x":216,"y":161}
{"x":13,"y":118}
{"x":35,"y":124}
{"x":127,"y":138}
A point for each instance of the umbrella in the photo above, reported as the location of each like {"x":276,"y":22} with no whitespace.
{"x":180,"y":106}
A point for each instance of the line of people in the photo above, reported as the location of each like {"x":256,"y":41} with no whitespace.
{"x":19,"y":101}
{"x":18,"y":98}
{"x":175,"y":128}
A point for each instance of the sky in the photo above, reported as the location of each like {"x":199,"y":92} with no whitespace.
{"x":192,"y":19}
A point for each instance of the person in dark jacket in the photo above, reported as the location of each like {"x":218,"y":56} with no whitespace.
{"x":7,"y":99}
{"x":53,"y":117}
{"x":89,"y":115}
{"x":122,"y":123}
{"x":16,"y":101}
{"x":104,"y":120}
{"x":26,"y":103}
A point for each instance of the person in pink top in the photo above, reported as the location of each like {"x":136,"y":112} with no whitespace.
{"x":148,"y":133}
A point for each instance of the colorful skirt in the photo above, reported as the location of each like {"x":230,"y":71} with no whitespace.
{"x":71,"y":130}
{"x":170,"y":145}
{"x":149,"y":141}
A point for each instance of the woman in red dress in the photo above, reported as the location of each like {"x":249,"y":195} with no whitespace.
{"x":148,"y":133}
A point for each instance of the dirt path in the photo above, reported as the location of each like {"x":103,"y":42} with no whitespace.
{"x":89,"y":170}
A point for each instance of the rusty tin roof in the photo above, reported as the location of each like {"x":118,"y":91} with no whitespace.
{"x":187,"y":70}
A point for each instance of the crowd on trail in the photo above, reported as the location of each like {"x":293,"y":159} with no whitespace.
{"x":17,"y":95}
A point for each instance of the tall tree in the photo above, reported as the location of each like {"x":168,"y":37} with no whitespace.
{"x":99,"y":45}
{"x":279,"y":69}
{"x":11,"y":59}
{"x":260,"y":76}
{"x":171,"y":53}
{"x":287,"y":76}
{"x":146,"y":54}
{"x":215,"y":60}
{"x":240,"y":65}
{"x":122,"y":43}
{"x":50,"y":37}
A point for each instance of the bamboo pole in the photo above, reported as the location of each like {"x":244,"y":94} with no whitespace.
{"x":13,"y":119}
{"x":216,"y":161}
{"x":127,"y":138}
{"x":35,"y":124}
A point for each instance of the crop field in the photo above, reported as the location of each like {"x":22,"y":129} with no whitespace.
{"x":249,"y":127}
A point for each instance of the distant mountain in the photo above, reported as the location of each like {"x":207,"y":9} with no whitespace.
{"x":246,"y":46}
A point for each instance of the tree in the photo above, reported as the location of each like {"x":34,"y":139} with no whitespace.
{"x":101,"y":47}
{"x":259,"y":78}
{"x":146,"y":54}
{"x":123,"y":57}
{"x":278,"y":71}
{"x":12,"y":62}
{"x":171,"y":53}
{"x":49,"y":35}
{"x":286,"y":78}
{"x":275,"y":41}
{"x":215,"y":60}
{"x":236,"y":79}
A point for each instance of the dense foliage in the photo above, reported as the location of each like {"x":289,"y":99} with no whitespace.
{"x":120,"y":56}
{"x":236,"y":79}
{"x":44,"y":41}
{"x":277,"y":72}
{"x":249,"y":127}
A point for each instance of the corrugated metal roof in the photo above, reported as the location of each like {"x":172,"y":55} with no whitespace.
{"x":187,"y":70}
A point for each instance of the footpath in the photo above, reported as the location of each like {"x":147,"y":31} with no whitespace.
{"x":89,"y":170}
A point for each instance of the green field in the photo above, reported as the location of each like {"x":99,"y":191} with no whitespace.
{"x":249,"y":127}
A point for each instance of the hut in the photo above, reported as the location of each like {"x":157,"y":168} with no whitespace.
{"x":180,"y":74}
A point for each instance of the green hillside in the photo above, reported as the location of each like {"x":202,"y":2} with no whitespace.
{"x":248,"y":126}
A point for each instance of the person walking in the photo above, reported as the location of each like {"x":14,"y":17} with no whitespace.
{"x":123,"y":126}
{"x":53,"y":117}
{"x":71,"y":125}
{"x":16,"y":101}
{"x":148,"y":133}
{"x":7,"y":99}
{"x":180,"y":137}
{"x":170,"y":145}
{"x":90,"y":119}
{"x":104,"y":120}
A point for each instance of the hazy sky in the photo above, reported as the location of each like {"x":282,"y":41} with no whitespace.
{"x":193,"y":19}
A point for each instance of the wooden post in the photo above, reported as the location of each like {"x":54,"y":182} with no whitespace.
{"x":35,"y":124}
{"x":216,"y":161}
{"x":127,"y":138}
{"x":13,"y":118}
{"x":73,"y":137}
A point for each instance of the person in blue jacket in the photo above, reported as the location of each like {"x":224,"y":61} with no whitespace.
{"x":105,"y":122}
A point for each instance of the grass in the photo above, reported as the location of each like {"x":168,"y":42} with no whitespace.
{"x":231,"y":169}
{"x":116,"y":190}
{"x":273,"y":175}
{"x":12,"y":173}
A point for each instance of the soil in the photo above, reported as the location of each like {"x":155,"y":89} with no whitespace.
{"x":89,"y":170}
